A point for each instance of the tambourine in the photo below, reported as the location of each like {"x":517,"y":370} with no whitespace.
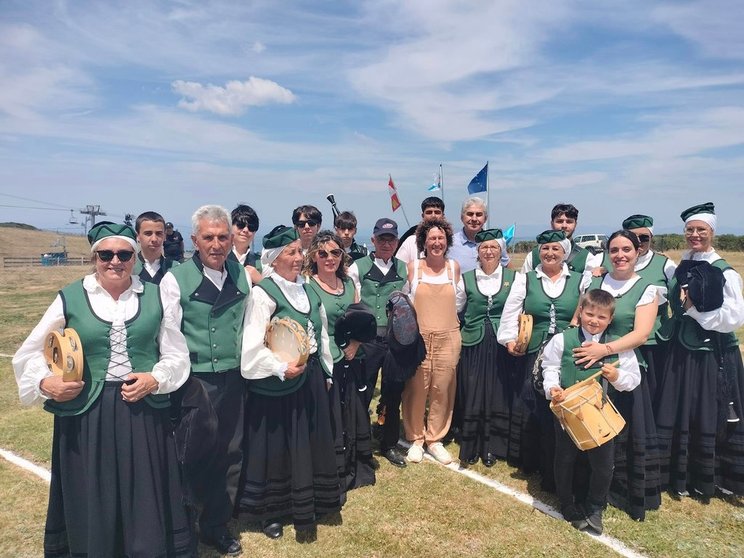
{"x":288,"y":340}
{"x":63,"y":353}
{"x":524,"y":333}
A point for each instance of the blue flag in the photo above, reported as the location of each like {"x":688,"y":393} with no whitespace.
{"x":509,"y":234}
{"x":479,"y":182}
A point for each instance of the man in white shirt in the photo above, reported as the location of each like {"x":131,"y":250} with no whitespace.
{"x":151,"y":264}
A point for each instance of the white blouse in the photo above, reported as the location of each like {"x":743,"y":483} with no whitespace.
{"x":170,"y":371}
{"x":256,"y":360}
{"x":489,"y":285}
{"x":440,"y":279}
{"x":618,"y":287}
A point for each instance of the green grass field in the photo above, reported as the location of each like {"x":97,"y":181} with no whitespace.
{"x":422,"y":510}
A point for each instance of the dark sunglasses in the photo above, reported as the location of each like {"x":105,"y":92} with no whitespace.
{"x":644,"y":237}
{"x":309,"y":223}
{"x":253,"y":227}
{"x":108,"y":255}
{"x":336,"y":253}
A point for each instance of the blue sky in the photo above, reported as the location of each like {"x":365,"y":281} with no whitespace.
{"x":618,"y":107}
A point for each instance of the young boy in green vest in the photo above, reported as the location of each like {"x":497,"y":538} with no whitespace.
{"x":596,"y":310}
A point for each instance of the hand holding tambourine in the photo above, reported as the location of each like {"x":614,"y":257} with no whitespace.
{"x":289,"y":342}
{"x":63,"y":353}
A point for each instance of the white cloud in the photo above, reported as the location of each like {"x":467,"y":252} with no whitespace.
{"x":258,"y":47}
{"x":233,"y":98}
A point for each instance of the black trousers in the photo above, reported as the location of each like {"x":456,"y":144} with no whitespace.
{"x":217,"y":483}
{"x":601,"y":463}
{"x":390,"y":391}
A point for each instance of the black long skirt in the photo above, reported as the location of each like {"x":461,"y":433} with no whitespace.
{"x":289,"y":463}
{"x":636,"y":483}
{"x":699,"y":449}
{"x":115,"y":488}
{"x":655,"y":358}
{"x":351,"y":427}
{"x":484,"y":387}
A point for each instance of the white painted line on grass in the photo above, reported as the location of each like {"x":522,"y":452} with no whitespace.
{"x":611,"y":542}
{"x":5,"y":356}
{"x":26,"y":464}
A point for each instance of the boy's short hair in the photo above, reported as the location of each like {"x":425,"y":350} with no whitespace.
{"x":432,"y":201}
{"x":310,"y":211}
{"x":345,"y":220}
{"x":567,"y":209}
{"x":600,"y":298}
{"x":148,"y":216}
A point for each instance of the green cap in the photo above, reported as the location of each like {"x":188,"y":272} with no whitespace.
{"x":279,"y":236}
{"x":105,"y":229}
{"x":550,"y":236}
{"x":638,"y":221}
{"x":703,"y":208}
{"x":489,"y":234}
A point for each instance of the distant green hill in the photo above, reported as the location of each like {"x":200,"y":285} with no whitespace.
{"x":23,"y":226}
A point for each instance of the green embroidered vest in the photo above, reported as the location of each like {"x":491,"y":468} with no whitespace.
{"x":273,"y":386}
{"x":335,"y":306}
{"x":142,"y":344}
{"x":377,"y":288}
{"x":213,"y":327}
{"x":538,"y":304}
{"x":570,"y":373}
{"x":480,"y":307}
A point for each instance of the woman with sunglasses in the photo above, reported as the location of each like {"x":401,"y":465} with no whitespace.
{"x":636,"y":482}
{"x":700,"y":406}
{"x":326,"y":266}
{"x":289,"y":464}
{"x":437,"y":291}
{"x":115,"y":488}
{"x":244,"y":227}
{"x":483,"y":373}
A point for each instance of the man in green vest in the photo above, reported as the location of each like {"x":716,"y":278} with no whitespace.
{"x":151,"y":264}
{"x":376,"y":276}
{"x":207,"y":295}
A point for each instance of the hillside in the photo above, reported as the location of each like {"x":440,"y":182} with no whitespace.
{"x":18,"y":242}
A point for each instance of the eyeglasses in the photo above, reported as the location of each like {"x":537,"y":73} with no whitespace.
{"x":336,"y":253}
{"x":700,"y":231}
{"x":302,"y":224}
{"x":644,"y":237}
{"x":108,"y":255}
{"x":490,"y":248}
{"x":250,"y":225}
{"x":382,"y":240}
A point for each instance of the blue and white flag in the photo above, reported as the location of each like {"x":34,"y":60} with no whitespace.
{"x":479,"y":182}
{"x":437,"y":184}
{"x":509,"y":234}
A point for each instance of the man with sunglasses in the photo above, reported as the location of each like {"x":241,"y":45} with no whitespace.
{"x":244,"y":227}
{"x":375,"y":277}
{"x":307,"y":220}
{"x":173,"y":243}
{"x":207,"y":296}
{"x":151,"y":264}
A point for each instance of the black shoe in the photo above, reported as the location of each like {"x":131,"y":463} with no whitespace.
{"x":306,"y":535}
{"x":594,"y":521}
{"x":395,"y":457}
{"x":225,"y":543}
{"x":489,"y":460}
{"x":272,"y":529}
{"x":575,"y":517}
{"x":731,"y":415}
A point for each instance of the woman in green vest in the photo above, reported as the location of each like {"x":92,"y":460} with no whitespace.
{"x":326,"y":266}
{"x":115,"y":488}
{"x":550,"y":294}
{"x":483,"y":378}
{"x":700,"y":408}
{"x":289,"y":463}
{"x":635,"y":483}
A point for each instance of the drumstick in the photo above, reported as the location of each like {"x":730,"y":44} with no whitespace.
{"x":600,"y":372}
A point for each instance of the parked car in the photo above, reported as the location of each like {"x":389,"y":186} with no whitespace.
{"x":593,"y":242}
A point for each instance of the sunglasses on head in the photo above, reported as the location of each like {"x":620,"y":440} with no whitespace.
{"x":241,"y":224}
{"x":310,"y":223}
{"x":644,"y":237}
{"x":336,"y":253}
{"x":108,"y":255}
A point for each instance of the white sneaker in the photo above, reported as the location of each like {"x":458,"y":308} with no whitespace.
{"x":415,"y":453}
{"x":437,"y":451}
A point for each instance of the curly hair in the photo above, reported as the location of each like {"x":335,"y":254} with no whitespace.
{"x":423,"y":230}
{"x":310,"y":268}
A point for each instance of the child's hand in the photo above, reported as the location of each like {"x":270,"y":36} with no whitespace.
{"x":556,"y":394}
{"x":609,"y":371}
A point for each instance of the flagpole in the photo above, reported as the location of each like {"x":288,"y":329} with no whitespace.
{"x":488,"y":200}
{"x":441,"y":179}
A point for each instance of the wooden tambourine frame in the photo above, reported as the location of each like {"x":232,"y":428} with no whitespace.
{"x":524,"y":334}
{"x":63,"y":353}
{"x":288,"y":340}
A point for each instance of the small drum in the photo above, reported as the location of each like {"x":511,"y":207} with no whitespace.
{"x":588,"y":415}
{"x":63,"y":353}
{"x":524,"y":334}
{"x":288,"y":340}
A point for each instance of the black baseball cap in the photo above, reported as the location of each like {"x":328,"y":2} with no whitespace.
{"x":385,"y":226}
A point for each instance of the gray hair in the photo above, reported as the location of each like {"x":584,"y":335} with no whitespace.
{"x":471,"y":201}
{"x":210,"y":213}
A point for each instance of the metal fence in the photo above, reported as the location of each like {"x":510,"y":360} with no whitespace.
{"x":39,"y":261}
